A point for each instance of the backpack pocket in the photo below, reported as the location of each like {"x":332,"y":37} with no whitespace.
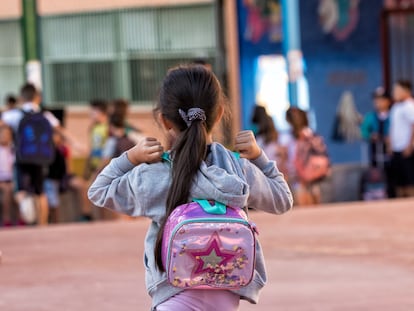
{"x":212,"y":251}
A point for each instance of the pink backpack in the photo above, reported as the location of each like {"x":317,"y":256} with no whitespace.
{"x":209,"y":246}
{"x":312,"y":161}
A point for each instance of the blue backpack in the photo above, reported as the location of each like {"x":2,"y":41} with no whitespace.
{"x":34,"y":140}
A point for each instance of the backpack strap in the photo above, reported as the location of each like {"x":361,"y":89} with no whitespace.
{"x":216,"y":209}
{"x":166,"y":157}
{"x":236,"y":154}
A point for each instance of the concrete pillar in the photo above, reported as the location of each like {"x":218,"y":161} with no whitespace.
{"x":291,"y":46}
{"x":31,"y":42}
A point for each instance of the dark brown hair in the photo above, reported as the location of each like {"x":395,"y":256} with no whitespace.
{"x":120,"y":107}
{"x":117,"y":120}
{"x":183,"y":88}
{"x":405,"y":84}
{"x":11,"y":101}
{"x":265,"y":124}
{"x":298,"y":119}
{"x":99,"y":104}
{"x":28,"y":92}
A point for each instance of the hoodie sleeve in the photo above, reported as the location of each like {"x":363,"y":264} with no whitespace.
{"x":113,"y":188}
{"x":268,"y":190}
{"x":132,"y":190}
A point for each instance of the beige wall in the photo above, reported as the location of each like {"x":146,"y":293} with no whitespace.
{"x":49,"y":7}
{"x":10,"y":9}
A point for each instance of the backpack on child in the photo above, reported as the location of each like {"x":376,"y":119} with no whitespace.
{"x":312,"y":162}
{"x":34,"y":140}
{"x":209,"y":246}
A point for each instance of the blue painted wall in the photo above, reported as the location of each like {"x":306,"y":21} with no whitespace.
{"x":249,"y":52}
{"x":331,"y":68}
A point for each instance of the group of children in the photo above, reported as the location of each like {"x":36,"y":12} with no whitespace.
{"x":295,"y":154}
{"x":28,"y":184}
{"x":36,"y":188}
{"x":389,"y":130}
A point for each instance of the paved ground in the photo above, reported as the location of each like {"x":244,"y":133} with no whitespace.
{"x":337,"y":257}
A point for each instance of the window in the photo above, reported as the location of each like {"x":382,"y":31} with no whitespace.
{"x":80,"y":82}
{"x":122,"y":53}
{"x":11,"y":58}
{"x":146,"y":75}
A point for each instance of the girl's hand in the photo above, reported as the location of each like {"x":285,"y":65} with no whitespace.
{"x":246,"y":145}
{"x":147,"y":150}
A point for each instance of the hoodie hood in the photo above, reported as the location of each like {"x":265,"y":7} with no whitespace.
{"x":221,"y":177}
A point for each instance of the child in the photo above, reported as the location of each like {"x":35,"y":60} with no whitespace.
{"x":6,"y":172}
{"x":305,"y":142}
{"x":402,"y":138}
{"x":98,"y":135}
{"x":118,"y":142}
{"x":56,"y":173}
{"x":60,"y":179}
{"x":375,"y":130}
{"x":120,"y":109}
{"x":375,"y":127}
{"x":30,"y":176}
{"x":138,"y":183}
{"x":267,"y":138}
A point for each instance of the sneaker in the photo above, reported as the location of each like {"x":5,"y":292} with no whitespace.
{"x":20,"y":222}
{"x":27,"y":210}
{"x":7,"y":224}
{"x":85,"y":218}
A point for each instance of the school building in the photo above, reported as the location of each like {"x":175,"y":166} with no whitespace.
{"x":110,"y":49}
{"x":322,"y":55}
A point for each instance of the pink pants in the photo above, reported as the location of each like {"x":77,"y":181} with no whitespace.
{"x":201,"y":300}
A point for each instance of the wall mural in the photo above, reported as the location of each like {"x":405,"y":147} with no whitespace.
{"x":263,"y":19}
{"x":338,"y":17}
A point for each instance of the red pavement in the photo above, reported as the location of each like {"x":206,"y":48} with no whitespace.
{"x":357,"y":256}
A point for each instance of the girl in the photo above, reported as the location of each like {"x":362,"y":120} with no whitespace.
{"x":138,"y":183}
{"x":267,"y":138}
{"x":305,"y":192}
{"x":6,"y":173}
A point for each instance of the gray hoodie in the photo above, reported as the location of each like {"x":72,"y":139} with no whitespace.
{"x":141,"y":191}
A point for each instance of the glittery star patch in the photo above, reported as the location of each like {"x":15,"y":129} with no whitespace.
{"x":213,"y":255}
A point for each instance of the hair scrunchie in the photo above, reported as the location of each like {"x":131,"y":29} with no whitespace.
{"x":191,"y":115}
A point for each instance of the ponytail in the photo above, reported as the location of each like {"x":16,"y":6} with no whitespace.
{"x":187,"y":154}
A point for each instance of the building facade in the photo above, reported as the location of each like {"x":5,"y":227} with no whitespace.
{"x":108,"y":49}
{"x":112,"y":49}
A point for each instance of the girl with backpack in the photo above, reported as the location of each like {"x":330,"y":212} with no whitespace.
{"x":309,"y":161}
{"x":140,"y":183}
